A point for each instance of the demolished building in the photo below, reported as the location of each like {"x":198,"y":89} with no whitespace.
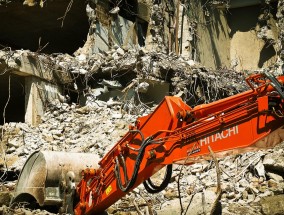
{"x":126,"y":54}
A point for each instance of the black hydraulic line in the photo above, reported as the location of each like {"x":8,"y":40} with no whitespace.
{"x":116,"y":169}
{"x":273,"y":79}
{"x":138,"y":161}
{"x":152,"y":188}
{"x":167,"y":176}
{"x":276,"y":84}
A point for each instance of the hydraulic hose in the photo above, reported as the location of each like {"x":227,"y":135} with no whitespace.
{"x":152,"y":188}
{"x":131,"y":182}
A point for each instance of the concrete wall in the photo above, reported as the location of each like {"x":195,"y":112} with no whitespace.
{"x":120,"y":32}
{"x":25,"y":98}
{"x":144,"y":9}
{"x":190,"y":31}
{"x":123,"y":32}
{"x":242,"y":38}
{"x":212,"y":36}
{"x":234,"y":38}
{"x":109,"y":28}
{"x":247,"y":50}
{"x":100,"y":39}
{"x":185,"y":34}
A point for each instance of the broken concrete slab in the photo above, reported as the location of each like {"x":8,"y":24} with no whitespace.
{"x":272,"y":205}
{"x":26,"y":63}
{"x":274,"y":161}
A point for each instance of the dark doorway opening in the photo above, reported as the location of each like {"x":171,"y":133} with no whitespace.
{"x":12,"y":98}
{"x":142,"y":27}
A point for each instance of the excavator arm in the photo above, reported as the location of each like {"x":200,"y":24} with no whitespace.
{"x":177,"y":133}
{"x":173,"y":133}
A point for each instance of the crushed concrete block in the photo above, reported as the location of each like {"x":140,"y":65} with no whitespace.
{"x":111,"y":84}
{"x":143,"y":87}
{"x":272,"y":205}
{"x":275,"y":177}
{"x":5,"y":198}
{"x":116,"y":116}
{"x":274,"y":161}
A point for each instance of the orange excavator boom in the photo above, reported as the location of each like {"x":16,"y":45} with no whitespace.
{"x":177,"y":133}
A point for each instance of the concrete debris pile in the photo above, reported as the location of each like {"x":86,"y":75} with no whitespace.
{"x":66,"y":128}
{"x":133,"y":77}
{"x":129,"y":68}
